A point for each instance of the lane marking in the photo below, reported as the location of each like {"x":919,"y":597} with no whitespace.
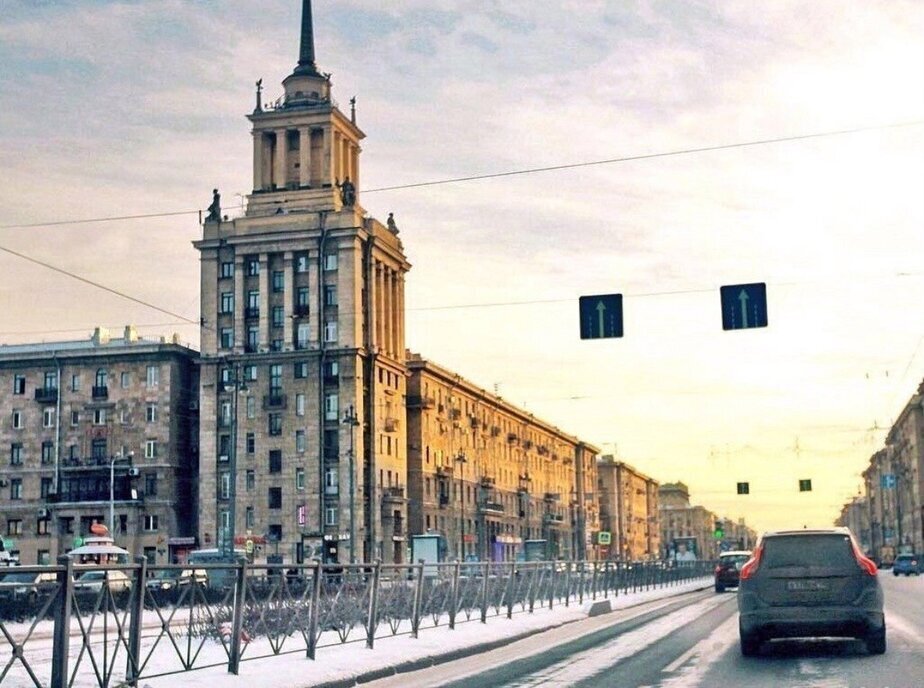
{"x":704,"y":654}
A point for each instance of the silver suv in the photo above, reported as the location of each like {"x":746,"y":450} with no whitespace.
{"x":810,"y":583}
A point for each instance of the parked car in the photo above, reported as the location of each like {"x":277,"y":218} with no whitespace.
{"x":173,"y":579}
{"x":93,"y":581}
{"x":726,"y":571}
{"x":20,"y":585}
{"x":810,"y":583}
{"x":907,"y":564}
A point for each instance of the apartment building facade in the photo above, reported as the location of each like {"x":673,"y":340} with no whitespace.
{"x":489,"y":476}
{"x":628,"y":511}
{"x":302,"y":372}
{"x":77,"y":413}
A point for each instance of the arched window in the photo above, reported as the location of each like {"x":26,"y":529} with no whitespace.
{"x":101,"y":377}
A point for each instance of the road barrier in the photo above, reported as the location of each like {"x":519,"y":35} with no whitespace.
{"x":142,"y":624}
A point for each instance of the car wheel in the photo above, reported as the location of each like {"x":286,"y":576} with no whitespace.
{"x":876,"y":642}
{"x":750,"y":644}
{"x":896,"y":573}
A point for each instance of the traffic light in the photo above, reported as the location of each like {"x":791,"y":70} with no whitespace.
{"x":744,"y":488}
{"x":719,"y":530}
{"x":805,"y":486}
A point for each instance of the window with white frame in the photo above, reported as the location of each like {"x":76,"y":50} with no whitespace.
{"x":150,"y":449}
{"x":227,"y":270}
{"x":149,"y":523}
{"x":153,"y":376}
{"x":151,"y":413}
{"x":300,"y":441}
{"x":99,"y":416}
{"x":331,"y":481}
{"x":331,"y":406}
{"x":227,"y":302}
{"x":224,"y":486}
{"x":299,"y":404}
{"x":251,"y":404}
{"x":330,"y":516}
{"x":125,"y":379}
{"x":17,"y":419}
{"x":75,"y":417}
{"x":48,"y":417}
{"x":330,"y":331}
{"x":299,"y":478}
{"x":19,"y":384}
{"x":249,"y":519}
{"x":330,"y":261}
{"x":75,"y":382}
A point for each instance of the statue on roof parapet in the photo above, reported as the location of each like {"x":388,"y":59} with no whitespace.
{"x":347,"y":192}
{"x":214,"y":209}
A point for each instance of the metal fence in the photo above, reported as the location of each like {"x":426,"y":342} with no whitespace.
{"x":139,"y":621}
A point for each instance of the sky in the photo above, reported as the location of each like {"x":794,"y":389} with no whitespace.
{"x":113,"y":109}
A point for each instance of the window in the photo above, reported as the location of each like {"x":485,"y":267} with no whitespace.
{"x":149,"y":523}
{"x":227,"y":270}
{"x":16,"y":488}
{"x":248,"y":518}
{"x":252,"y":266}
{"x":16,"y":454}
{"x":153,"y":376}
{"x":227,"y":302}
{"x":48,"y":417}
{"x":275,"y":381}
{"x":331,"y":404}
{"x":125,"y":417}
{"x":330,"y":331}
{"x":250,"y":373}
{"x":150,"y":484}
{"x":301,"y":370}
{"x":303,"y":300}
{"x":43,"y":527}
{"x":150,"y":449}
{"x":125,"y":379}
{"x":275,"y":423}
{"x":66,"y":525}
{"x":224,"y":414}
{"x":275,"y":461}
{"x":253,"y":338}
{"x":299,"y":404}
{"x":330,"y":516}
{"x":48,"y":452}
{"x":275,"y":498}
{"x":224,"y":448}
{"x":330,"y":261}
{"x":99,"y":449}
{"x":330,"y":294}
{"x":250,"y":443}
{"x":331,"y":370}
{"x":224,"y":518}
{"x":51,"y":380}
{"x":75,"y":382}
{"x":224,"y":485}
{"x":99,"y":416}
{"x":274,"y":532}
{"x":331,"y":481}
{"x":278,"y":280}
{"x":303,"y":336}
{"x":14,"y":526}
{"x":75,"y":417}
{"x":278,"y":316}
{"x":102,"y":378}
{"x":250,"y":479}
{"x":276,"y":345}
{"x":19,"y":384}
{"x":17,"y":419}
{"x":45,"y":487}
{"x":299,"y":441}
{"x":301,"y":262}
{"x":226,"y":338}
{"x":151,"y":413}
{"x":251,"y":407}
{"x":299,"y":478}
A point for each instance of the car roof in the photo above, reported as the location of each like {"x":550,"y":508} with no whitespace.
{"x":736,"y":552}
{"x":809,"y":531}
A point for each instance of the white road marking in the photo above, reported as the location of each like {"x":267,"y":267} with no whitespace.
{"x":699,"y":658}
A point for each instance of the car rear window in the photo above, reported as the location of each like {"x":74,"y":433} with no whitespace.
{"x":734,"y":558}
{"x":905,"y":557}
{"x":829,"y":551}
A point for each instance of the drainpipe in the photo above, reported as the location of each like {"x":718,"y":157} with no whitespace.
{"x":371,"y":346}
{"x":322,"y":224}
{"x":57,"y":426}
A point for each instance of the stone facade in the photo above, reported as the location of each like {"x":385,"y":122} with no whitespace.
{"x":628,"y":511}
{"x":69,"y":409}
{"x":303,"y":377}
{"x":685,"y":529}
{"x":488,"y":476}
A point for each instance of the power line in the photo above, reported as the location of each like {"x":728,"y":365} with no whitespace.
{"x":79,"y":278}
{"x":650,"y":156}
{"x":528,"y":170}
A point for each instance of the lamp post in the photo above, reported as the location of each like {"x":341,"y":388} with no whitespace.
{"x":112,"y":462}
{"x":461,"y":460}
{"x":350,"y":418}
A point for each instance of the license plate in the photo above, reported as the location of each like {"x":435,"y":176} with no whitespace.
{"x":806,"y":585}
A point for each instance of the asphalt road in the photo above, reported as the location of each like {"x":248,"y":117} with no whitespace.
{"x":692,"y":641}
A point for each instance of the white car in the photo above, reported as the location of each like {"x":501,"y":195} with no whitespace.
{"x":170,"y":579}
{"x":93,"y":581}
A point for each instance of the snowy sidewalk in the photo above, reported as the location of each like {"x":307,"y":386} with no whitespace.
{"x":344,"y":664}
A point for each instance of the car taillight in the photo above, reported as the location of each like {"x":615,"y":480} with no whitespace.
{"x":718,"y":569}
{"x":865,"y":563}
{"x":750,"y":566}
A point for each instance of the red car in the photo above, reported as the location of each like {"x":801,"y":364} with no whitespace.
{"x":726,"y":571}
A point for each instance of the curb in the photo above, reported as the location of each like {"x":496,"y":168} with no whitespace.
{"x":462,"y":652}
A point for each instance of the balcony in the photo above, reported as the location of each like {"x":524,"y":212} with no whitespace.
{"x":252,"y":312}
{"x":331,"y":490}
{"x":331,"y":454}
{"x":302,"y":344}
{"x":554,"y":519}
{"x":46,"y":395}
{"x":512,"y":438}
{"x":393,"y":494}
{"x":100,"y":392}
{"x":492,"y":508}
{"x":274,"y":401}
{"x":391,"y":425}
{"x":301,"y":311}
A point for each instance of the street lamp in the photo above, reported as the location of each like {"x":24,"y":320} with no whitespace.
{"x":350,"y":418}
{"x":461,"y":460}
{"x":112,"y":462}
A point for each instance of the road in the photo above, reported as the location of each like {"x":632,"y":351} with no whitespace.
{"x":692,"y":641}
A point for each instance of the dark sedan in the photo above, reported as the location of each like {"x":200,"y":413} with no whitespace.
{"x":726,"y":571}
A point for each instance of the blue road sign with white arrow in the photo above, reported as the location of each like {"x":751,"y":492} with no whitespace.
{"x":744,"y":306}
{"x":601,"y":316}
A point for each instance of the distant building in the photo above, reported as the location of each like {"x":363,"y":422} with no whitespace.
{"x":855,"y":515}
{"x":628,"y":511}
{"x":687,"y":532}
{"x":73,"y":412}
{"x":489,"y":476}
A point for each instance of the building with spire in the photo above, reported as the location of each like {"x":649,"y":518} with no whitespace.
{"x":302,"y":363}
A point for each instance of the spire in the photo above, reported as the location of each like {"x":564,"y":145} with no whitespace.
{"x":306,"y":65}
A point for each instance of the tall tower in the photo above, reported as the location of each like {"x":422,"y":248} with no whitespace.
{"x":302,"y":303}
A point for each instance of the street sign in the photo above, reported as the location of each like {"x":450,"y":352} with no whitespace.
{"x":887,"y":481}
{"x":805,"y":486}
{"x":601,"y":316}
{"x":744,"y":306}
{"x":744,"y":488}
{"x":604,"y":538}
{"x":248,"y":546}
